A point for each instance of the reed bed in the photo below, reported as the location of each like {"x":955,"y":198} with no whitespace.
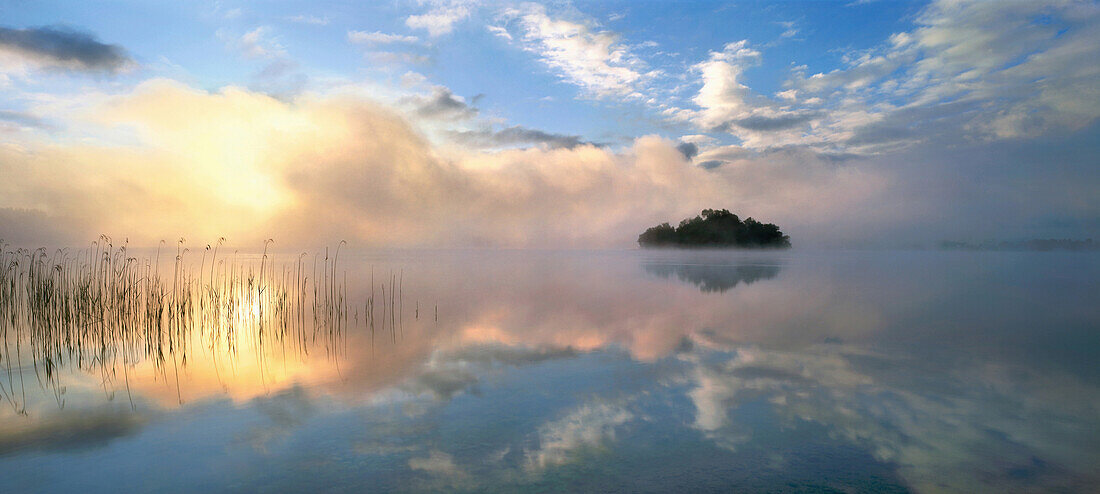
{"x":101,"y":309}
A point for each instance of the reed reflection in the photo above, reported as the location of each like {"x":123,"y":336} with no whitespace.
{"x":494,"y":369}
{"x":104,"y":312}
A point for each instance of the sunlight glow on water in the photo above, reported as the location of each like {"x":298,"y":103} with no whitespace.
{"x":610,"y":370}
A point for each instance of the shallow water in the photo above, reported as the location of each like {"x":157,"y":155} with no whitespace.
{"x":598,"y":371}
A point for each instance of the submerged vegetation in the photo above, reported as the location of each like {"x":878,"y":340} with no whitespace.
{"x":103,"y":310}
{"x":715,"y":228}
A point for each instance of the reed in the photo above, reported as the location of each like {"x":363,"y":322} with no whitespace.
{"x":102,"y":309}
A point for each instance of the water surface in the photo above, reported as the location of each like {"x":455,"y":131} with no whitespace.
{"x":580,"y":371}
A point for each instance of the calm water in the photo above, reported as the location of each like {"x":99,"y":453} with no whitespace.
{"x":595,"y":371}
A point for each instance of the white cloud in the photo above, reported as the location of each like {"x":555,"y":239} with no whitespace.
{"x":983,"y":70}
{"x":379,"y":38}
{"x":581,"y":54}
{"x":790,"y":30}
{"x":260,"y":43}
{"x":309,"y":19}
{"x":499,"y":31}
{"x":968,"y":71}
{"x":441,"y":17}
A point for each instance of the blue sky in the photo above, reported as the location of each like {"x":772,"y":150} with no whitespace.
{"x":836,"y":107}
{"x":196,"y":42}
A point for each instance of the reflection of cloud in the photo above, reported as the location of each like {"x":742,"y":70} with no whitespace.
{"x":509,"y":355}
{"x":442,"y":383}
{"x":937,"y":427}
{"x":437,"y":463}
{"x":588,"y":426}
{"x":451,"y":372}
{"x":68,"y":430}
{"x":714,"y":277}
{"x":287,"y":410}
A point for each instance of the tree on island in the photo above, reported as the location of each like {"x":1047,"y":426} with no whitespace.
{"x":715,"y":228}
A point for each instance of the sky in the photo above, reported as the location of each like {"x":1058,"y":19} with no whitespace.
{"x":455,"y":123}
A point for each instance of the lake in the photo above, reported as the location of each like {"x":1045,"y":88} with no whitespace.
{"x":518,"y":371}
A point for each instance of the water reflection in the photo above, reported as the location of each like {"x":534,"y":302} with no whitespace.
{"x":580,"y":371}
{"x":713,"y":277}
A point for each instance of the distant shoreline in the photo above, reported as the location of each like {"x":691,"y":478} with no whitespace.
{"x":1033,"y":245}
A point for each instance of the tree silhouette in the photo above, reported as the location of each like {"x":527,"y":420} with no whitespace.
{"x":715,"y":228}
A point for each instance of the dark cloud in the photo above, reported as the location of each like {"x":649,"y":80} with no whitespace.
{"x":839,"y":157}
{"x":22,"y":119}
{"x":689,"y":149}
{"x":517,"y":134}
{"x":442,"y":104}
{"x":762,"y":123}
{"x":711,"y":164}
{"x":938,"y":124}
{"x":64,"y":47}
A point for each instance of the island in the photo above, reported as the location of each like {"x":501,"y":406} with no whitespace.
{"x":716,"y":228}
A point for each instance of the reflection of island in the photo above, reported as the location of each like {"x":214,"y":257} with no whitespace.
{"x":714,"y":277}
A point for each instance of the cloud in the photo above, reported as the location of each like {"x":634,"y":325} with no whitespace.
{"x":500,"y":32}
{"x":587,"y":426}
{"x":688,"y":149}
{"x":441,"y":104}
{"x":593,"y":60}
{"x":387,"y":58}
{"x":968,"y":71}
{"x":516,"y":135}
{"x":379,"y":38}
{"x":309,"y":19}
{"x":780,"y":122}
{"x":318,"y":168}
{"x":341,"y":166}
{"x":441,"y":17}
{"x":63,"y":48}
{"x":258,"y":43}
{"x":21,"y":119}
{"x":727,"y":105}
